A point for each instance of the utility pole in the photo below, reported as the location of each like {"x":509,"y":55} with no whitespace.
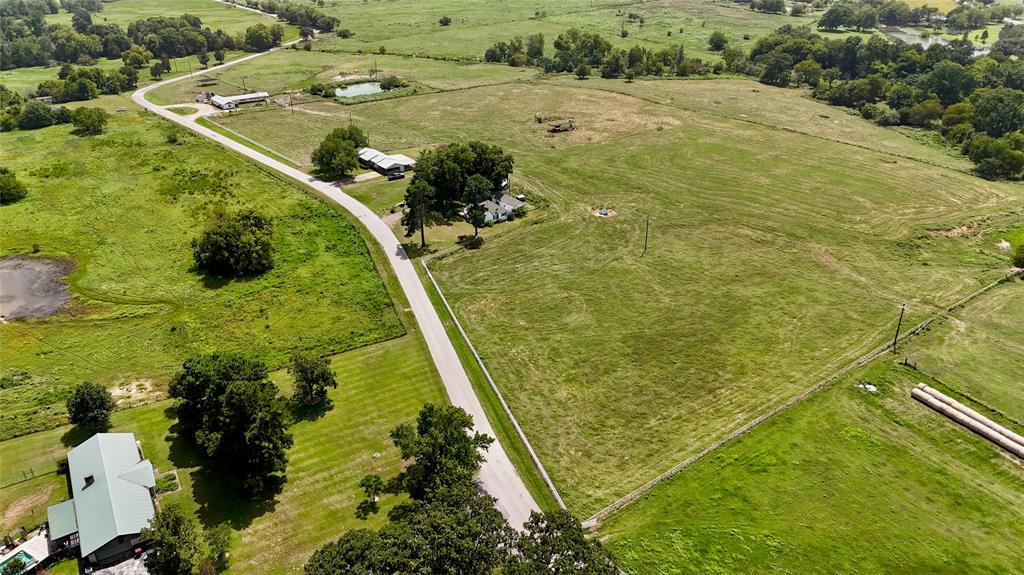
{"x":243,"y":84}
{"x":903,"y":309}
{"x":647,"y":228}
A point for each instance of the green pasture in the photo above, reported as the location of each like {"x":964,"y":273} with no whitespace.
{"x":214,"y":15}
{"x":379,"y":386}
{"x":411,"y":27}
{"x":776,"y":257}
{"x":979,"y":352}
{"x":846,"y":482}
{"x":295,"y":69}
{"x":124,"y":206}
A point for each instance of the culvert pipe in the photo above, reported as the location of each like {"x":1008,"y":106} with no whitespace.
{"x":1008,"y":433}
{"x":968,"y":422}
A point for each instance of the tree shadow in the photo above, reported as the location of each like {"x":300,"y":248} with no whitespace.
{"x":76,"y":435}
{"x":216,"y":496}
{"x":302,"y":412}
{"x":413,"y":250}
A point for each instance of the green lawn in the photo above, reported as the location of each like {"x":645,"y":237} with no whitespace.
{"x":124,"y":206}
{"x":903,"y":489}
{"x":772,"y":264}
{"x":380,"y":386}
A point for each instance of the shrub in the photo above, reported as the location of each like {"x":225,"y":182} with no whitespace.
{"x":582,"y":71}
{"x":62,"y":466}
{"x":444,"y":21}
{"x":391,"y":83}
{"x":471,"y":242}
{"x":345,"y":33}
{"x":11,"y":190}
{"x":1018,"y":256}
{"x":90,"y":120}
{"x":239,"y":244}
{"x":717,"y":41}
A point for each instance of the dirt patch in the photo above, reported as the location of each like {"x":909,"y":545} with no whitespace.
{"x":1003,"y":246}
{"x":33,"y":287}
{"x":133,"y":392}
{"x":21,"y":506}
{"x":957,"y":232}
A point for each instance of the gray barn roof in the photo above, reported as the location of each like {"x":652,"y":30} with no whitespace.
{"x":118,"y":501}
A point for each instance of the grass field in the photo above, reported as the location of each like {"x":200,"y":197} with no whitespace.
{"x":124,"y":207}
{"x":214,"y":15}
{"x":772,"y":262}
{"x":846,"y":482}
{"x":294,"y":69}
{"x":408,"y":27}
{"x":379,"y":387}
{"x":979,"y":352}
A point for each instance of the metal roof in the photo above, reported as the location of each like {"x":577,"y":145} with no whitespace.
{"x":61,"y":519}
{"x":117,"y":501}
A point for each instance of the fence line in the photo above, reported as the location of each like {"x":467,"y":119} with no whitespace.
{"x":871,"y":355}
{"x":504,"y":406}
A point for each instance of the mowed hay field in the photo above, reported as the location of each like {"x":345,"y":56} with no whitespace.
{"x":213,"y":14}
{"x":978,"y":353}
{"x":776,"y":257}
{"x":846,"y":482}
{"x":123,"y":207}
{"x":411,"y":26}
{"x":379,"y":387}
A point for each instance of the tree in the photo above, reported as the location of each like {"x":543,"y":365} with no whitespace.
{"x":951,"y":82}
{"x":219,"y":56}
{"x":337,"y":155}
{"x":35,"y":114}
{"x":90,"y":406}
{"x":717,"y":41}
{"x":924,"y":113}
{"x":173,"y":541}
{"x":554,"y":543}
{"x":229,"y":408}
{"x":313,"y":376}
{"x":239,"y":244}
{"x":204,"y":58}
{"x":458,"y":530}
{"x":777,"y":69}
{"x":478,"y":190}
{"x":11,"y":190}
{"x":156,"y":70}
{"x":419,"y":198}
{"x":959,"y":113}
{"x":218,"y":542}
{"x":807,"y":72}
{"x":136,"y":56}
{"x":994,"y":157}
{"x":90,"y":120}
{"x":582,"y":71}
{"x":440,"y":450}
{"x":998,"y":111}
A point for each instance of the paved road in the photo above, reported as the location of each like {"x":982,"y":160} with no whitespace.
{"x":497,"y":475}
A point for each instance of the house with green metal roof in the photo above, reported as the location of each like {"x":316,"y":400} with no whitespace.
{"x":111,"y":498}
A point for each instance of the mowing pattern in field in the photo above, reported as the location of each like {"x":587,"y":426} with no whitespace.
{"x":411,"y":26}
{"x":213,"y":14}
{"x":379,"y":387}
{"x":979,"y":352}
{"x":775,"y":258}
{"x":125,"y":206}
{"x":847,"y":482}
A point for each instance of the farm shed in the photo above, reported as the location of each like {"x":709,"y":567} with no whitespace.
{"x":385,"y":163}
{"x":232,"y":102}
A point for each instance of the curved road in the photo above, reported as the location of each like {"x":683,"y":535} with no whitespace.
{"x":498,"y":475}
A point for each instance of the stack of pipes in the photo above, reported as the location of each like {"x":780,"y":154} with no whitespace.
{"x":967,"y":417}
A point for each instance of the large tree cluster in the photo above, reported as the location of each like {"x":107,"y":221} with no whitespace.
{"x":228,"y":406}
{"x":977,"y":103}
{"x":302,"y":15}
{"x":450,"y":525}
{"x":452,"y":178}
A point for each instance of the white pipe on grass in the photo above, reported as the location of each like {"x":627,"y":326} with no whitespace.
{"x":968,"y":422}
{"x":1009,"y":434}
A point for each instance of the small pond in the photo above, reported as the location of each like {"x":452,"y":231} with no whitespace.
{"x":32,"y":287}
{"x":362,"y":89}
{"x":913,"y":37}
